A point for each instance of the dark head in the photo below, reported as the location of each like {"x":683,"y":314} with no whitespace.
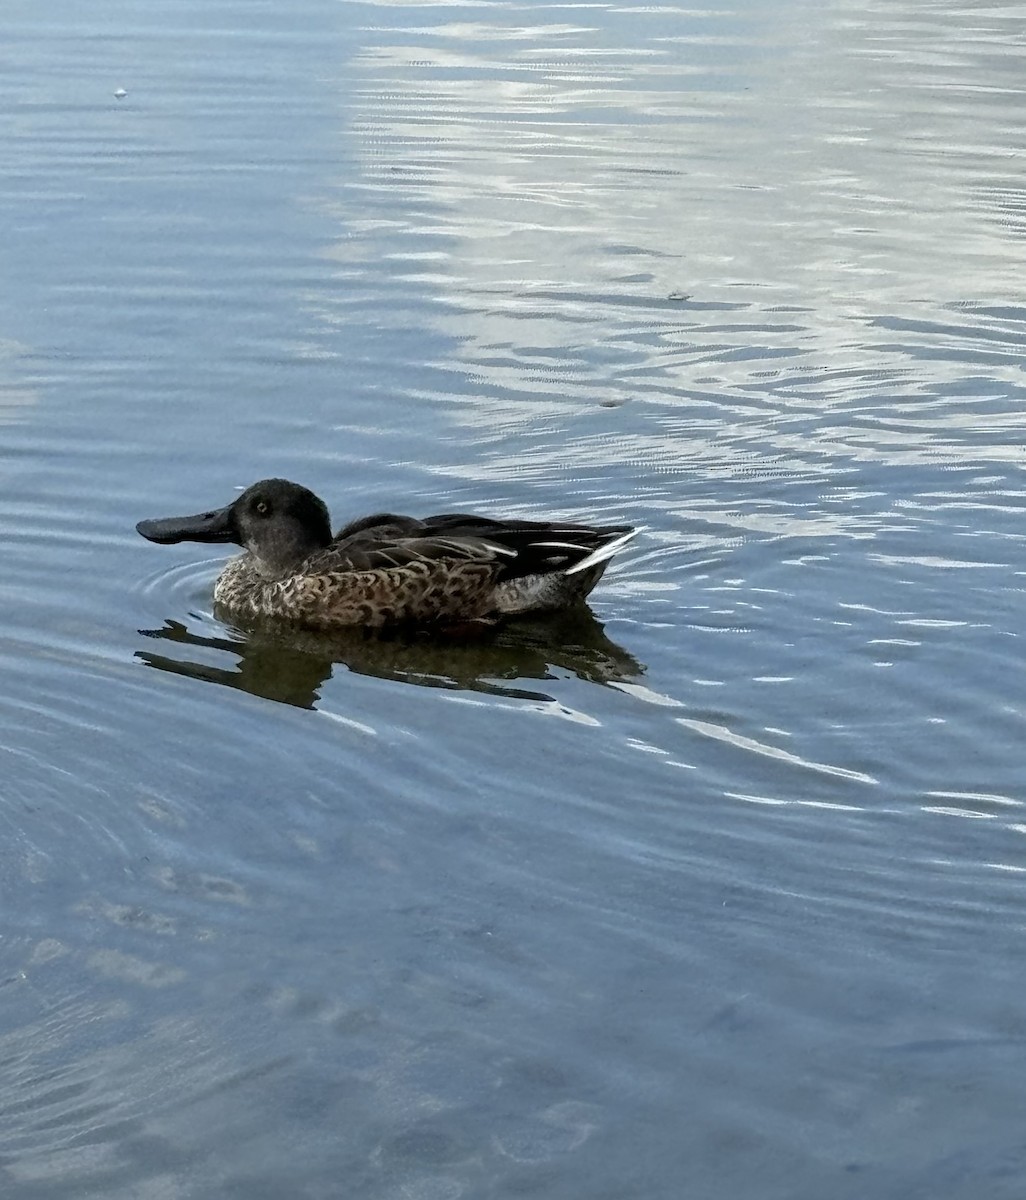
{"x":278,"y":522}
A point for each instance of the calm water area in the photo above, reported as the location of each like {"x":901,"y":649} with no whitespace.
{"x":716,"y":894}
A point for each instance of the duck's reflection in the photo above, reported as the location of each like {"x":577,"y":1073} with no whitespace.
{"x":291,"y":666}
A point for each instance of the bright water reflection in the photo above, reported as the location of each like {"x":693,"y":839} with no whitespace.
{"x":718,"y":893}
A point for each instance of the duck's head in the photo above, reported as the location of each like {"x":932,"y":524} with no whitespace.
{"x":278,"y":522}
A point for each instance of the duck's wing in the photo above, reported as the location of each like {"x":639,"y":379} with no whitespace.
{"x":538,"y":547}
{"x":385,"y":541}
{"x":366,"y":550}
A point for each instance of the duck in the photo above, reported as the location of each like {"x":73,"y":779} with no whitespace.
{"x":387,"y":569}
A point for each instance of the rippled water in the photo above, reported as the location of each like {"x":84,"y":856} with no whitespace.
{"x":717,"y":894}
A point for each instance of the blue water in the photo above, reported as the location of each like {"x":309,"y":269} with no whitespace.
{"x":715,"y":894}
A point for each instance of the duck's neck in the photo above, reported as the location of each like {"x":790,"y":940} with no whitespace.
{"x":283,"y":553}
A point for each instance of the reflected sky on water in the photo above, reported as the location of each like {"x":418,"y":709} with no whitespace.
{"x":715,"y":891}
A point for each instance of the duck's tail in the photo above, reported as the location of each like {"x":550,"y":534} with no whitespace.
{"x":558,"y":568}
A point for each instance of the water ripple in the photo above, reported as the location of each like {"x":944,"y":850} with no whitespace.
{"x":745,"y":845}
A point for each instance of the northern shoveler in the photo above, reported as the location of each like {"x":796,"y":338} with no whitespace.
{"x":387,"y":569}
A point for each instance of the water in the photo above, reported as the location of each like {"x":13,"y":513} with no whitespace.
{"x":719,"y":894}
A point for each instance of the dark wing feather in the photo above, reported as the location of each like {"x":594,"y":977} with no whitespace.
{"x":385,"y":541}
{"x":539,"y":546}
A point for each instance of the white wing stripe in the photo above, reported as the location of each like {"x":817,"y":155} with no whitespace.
{"x":602,"y":553}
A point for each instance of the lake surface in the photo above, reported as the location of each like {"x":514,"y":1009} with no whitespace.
{"x":719,"y":894}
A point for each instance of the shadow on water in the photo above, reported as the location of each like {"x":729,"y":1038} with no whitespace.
{"x":291,"y":666}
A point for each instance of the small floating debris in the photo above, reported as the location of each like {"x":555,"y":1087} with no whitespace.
{"x":120,"y":94}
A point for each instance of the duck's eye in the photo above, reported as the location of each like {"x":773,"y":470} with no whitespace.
{"x":263,"y":508}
